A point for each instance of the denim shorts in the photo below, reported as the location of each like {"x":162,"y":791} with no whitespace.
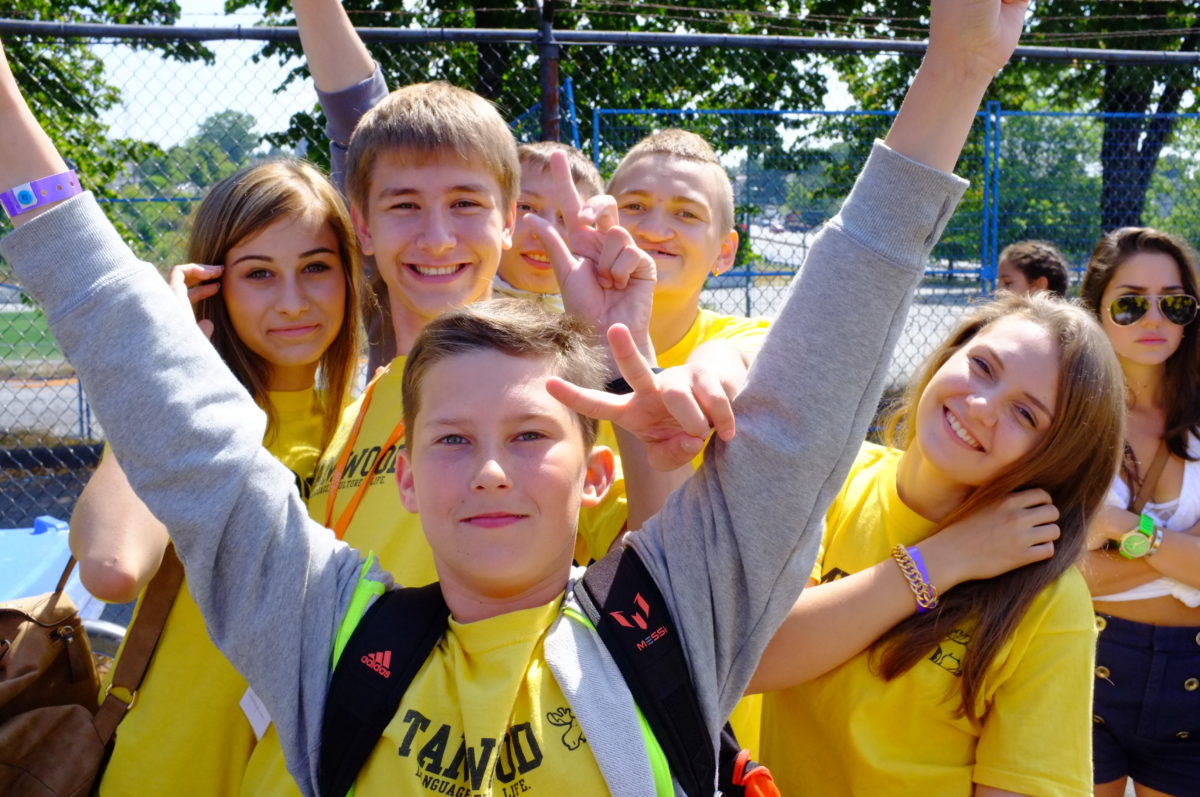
{"x":1147,"y":708}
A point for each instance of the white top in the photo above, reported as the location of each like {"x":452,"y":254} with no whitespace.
{"x":1179,"y":514}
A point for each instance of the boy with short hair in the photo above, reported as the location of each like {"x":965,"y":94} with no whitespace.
{"x":498,"y":471}
{"x":525,"y":271}
{"x":1029,"y":266}
{"x":675,"y":198}
{"x":432,"y":175}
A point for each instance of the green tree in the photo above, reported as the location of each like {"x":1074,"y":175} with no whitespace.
{"x":155,"y":199}
{"x":1147,"y":97}
{"x":63,"y":79}
{"x":604,"y":77}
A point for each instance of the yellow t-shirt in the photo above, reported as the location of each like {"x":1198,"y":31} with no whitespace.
{"x":851,"y":732}
{"x":602,"y":524}
{"x":484,"y":716}
{"x":186,"y":733}
{"x":381,"y":523}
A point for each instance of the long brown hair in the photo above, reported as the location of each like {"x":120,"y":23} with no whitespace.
{"x":242,"y":205}
{"x":1181,"y":375}
{"x":1075,"y":463}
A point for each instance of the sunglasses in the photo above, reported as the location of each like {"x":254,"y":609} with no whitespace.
{"x":1178,"y":308}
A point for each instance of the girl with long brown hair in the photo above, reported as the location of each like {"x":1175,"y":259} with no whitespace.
{"x":1144,"y":566}
{"x":944,"y":643}
{"x":274,"y":276}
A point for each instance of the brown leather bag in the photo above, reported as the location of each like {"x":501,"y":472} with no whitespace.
{"x":54,"y":739}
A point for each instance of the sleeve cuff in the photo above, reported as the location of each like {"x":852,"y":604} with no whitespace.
{"x":344,"y":108}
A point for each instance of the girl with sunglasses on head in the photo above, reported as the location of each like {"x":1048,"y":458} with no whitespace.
{"x":944,"y":644}
{"x":278,"y":296}
{"x":1144,"y":566}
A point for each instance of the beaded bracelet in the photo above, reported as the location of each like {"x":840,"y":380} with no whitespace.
{"x":912,"y":565}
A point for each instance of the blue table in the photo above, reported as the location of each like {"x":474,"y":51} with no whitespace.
{"x":31,"y":561}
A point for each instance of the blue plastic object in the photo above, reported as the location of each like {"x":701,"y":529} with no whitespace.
{"x":31,"y":560}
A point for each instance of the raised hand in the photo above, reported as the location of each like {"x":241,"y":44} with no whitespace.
{"x":977,"y":36}
{"x":193,"y":283}
{"x":671,"y":413}
{"x":1014,"y":531}
{"x":604,"y":277}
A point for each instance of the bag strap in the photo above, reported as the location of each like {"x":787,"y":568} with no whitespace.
{"x":632,"y":620}
{"x":140,"y":643}
{"x":1146,"y":486}
{"x":66,"y":574}
{"x":386,"y":651}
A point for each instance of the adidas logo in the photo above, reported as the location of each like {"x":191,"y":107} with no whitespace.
{"x":379,"y":662}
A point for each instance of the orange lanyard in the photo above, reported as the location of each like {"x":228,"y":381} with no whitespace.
{"x":335,"y":480}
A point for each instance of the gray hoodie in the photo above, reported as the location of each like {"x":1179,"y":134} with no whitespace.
{"x":730,"y":551}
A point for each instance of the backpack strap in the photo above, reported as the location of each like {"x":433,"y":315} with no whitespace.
{"x":632,"y":620}
{"x":378,"y":663}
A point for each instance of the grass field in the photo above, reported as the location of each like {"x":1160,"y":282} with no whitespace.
{"x":24,"y":338}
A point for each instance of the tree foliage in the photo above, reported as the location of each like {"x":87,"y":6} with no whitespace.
{"x":603,"y":76}
{"x":1146,"y":97}
{"x":63,"y":80}
{"x":155,"y":198}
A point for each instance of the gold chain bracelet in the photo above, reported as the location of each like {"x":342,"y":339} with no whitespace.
{"x":925,"y":593}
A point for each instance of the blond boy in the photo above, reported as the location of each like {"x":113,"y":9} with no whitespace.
{"x":525,"y":270}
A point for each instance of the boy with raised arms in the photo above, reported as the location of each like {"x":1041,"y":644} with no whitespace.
{"x":729,"y":552}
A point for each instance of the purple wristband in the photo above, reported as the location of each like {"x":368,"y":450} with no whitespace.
{"x":914,"y":553}
{"x":41,"y":192}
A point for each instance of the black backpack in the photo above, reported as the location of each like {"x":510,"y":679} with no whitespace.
{"x":629,"y":614}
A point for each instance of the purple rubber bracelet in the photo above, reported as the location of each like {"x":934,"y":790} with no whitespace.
{"x":28,"y":196}
{"x":914,"y":553}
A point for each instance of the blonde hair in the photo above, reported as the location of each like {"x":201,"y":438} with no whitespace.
{"x":684,"y":145}
{"x":427,"y":120}
{"x":1075,"y":463}
{"x":240,"y":206}
{"x":584,"y":174}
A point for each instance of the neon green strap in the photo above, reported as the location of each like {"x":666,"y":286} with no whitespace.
{"x":365,"y":591}
{"x":659,"y":768}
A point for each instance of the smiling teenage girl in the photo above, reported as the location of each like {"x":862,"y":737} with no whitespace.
{"x":1004,"y":445}
{"x":1141,"y":283}
{"x":283,"y":317}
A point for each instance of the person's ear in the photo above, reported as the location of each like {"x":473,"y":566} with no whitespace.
{"x":404,"y":480}
{"x":1039,"y":284}
{"x":728,"y":254}
{"x":365,"y":242}
{"x":601,"y":468}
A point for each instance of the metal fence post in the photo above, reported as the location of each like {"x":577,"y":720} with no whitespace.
{"x":548,"y":52}
{"x":596,"y":137}
{"x":991,"y":198}
{"x":569,"y":95}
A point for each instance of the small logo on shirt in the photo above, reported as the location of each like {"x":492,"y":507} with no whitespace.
{"x":379,"y":662}
{"x":952,"y":651}
{"x":572,"y":735}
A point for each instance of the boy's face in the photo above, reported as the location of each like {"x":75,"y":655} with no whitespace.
{"x":497,"y":470}
{"x":669,"y":205}
{"x":525,"y":264}
{"x":1013,"y":279}
{"x":436,"y":227}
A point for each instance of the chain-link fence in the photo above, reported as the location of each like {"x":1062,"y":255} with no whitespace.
{"x":1070,"y":143}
